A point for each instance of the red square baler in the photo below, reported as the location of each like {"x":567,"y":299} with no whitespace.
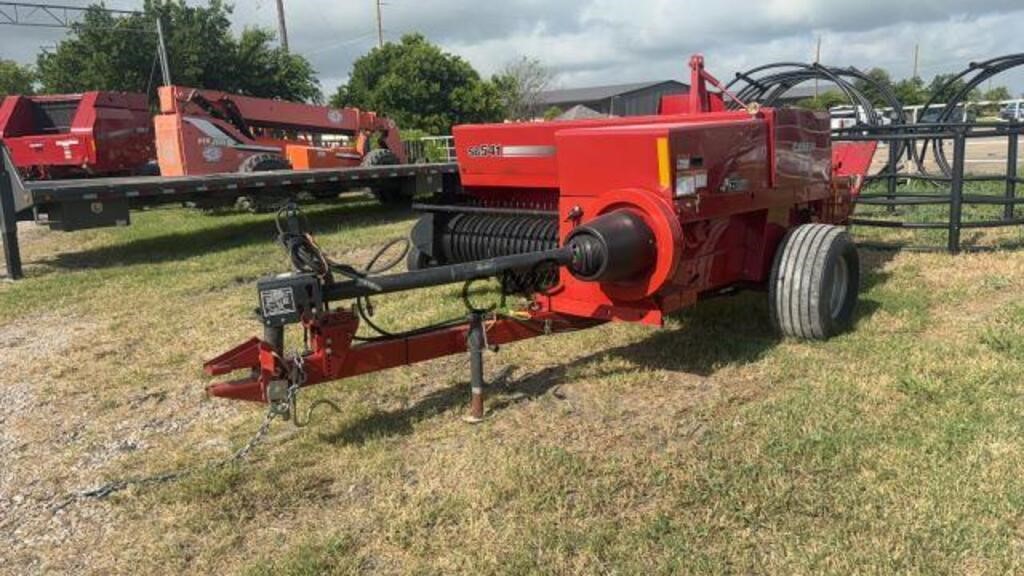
{"x":617,"y":219}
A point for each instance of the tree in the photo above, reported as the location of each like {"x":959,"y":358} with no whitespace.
{"x":944,"y":88}
{"x":15,"y":79}
{"x":104,"y":52}
{"x":824,"y":101}
{"x":273,"y":72}
{"x":997,"y":94}
{"x":872,"y":90}
{"x":911,"y":91}
{"x":520,"y":84}
{"x":552,"y":113}
{"x":419,"y":86}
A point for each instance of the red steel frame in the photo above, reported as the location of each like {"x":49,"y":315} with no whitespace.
{"x":332,"y":356}
{"x":718,"y":188}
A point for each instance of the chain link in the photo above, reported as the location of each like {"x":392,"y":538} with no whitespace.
{"x":117,"y":486}
{"x":296,"y":378}
{"x":109,"y":488}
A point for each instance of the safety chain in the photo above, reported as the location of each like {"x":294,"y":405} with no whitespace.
{"x":109,"y":488}
{"x":296,"y":378}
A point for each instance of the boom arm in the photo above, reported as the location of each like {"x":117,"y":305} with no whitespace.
{"x":281,"y":114}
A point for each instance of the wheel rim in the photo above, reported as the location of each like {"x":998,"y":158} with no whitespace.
{"x":840,"y":286}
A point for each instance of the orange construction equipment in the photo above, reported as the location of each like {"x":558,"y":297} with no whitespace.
{"x":209,"y":132}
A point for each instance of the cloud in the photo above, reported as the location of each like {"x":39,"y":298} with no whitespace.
{"x":605,"y":41}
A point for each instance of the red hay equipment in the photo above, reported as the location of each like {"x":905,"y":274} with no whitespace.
{"x":619,"y":219}
{"x":73,"y":135}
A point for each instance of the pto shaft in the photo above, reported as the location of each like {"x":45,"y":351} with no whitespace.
{"x":613,"y":247}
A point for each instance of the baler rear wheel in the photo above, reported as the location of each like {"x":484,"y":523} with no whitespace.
{"x":814,"y":283}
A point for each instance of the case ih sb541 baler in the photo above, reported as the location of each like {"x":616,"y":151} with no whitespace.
{"x":622,"y":219}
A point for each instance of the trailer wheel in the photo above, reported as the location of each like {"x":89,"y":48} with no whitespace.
{"x":814,"y":282}
{"x":263,"y":163}
{"x":390,"y":193}
{"x":267,"y":202}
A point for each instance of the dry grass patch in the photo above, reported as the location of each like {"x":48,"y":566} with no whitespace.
{"x":707,"y":447}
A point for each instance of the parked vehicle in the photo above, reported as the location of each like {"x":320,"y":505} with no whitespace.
{"x":960,"y":114}
{"x":843,"y":117}
{"x":1012,"y":111}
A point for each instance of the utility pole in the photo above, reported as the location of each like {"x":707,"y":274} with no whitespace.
{"x":917,"y":55}
{"x":281,"y":28}
{"x":817,"y":60}
{"x":380,"y":27}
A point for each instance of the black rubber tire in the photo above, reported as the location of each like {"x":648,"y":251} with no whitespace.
{"x":391,"y":193}
{"x":814,"y":284}
{"x":268,"y":201}
{"x":264,"y":163}
{"x":380,"y":157}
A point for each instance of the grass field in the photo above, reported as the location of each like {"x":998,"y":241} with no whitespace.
{"x":710,"y":446}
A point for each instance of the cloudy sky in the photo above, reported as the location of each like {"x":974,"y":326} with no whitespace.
{"x":610,"y":41}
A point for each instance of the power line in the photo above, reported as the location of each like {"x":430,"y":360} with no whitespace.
{"x":62,"y":16}
{"x":49,"y":15}
{"x":333,"y":45}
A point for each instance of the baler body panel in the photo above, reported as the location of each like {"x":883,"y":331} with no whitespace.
{"x":719,"y":190}
{"x":523,"y":155}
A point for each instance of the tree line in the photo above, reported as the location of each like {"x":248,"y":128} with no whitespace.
{"x":422,"y":87}
{"x":413,"y":81}
{"x":107,"y":52}
{"x":911,"y":91}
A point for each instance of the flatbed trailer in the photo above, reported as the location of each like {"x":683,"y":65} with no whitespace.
{"x":70,"y":205}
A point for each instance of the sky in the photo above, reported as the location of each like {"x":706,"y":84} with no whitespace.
{"x":589,"y":42}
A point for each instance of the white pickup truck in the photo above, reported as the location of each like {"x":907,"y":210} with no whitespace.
{"x":849,"y":116}
{"x":1012,"y":111}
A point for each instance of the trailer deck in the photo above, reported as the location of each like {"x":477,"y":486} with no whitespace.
{"x":97,"y":202}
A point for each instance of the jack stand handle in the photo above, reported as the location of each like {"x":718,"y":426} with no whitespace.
{"x":476,"y":341}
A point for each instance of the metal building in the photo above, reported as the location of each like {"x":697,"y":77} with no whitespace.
{"x":618,"y":100}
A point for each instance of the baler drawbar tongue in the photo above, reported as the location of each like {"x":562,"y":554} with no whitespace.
{"x":612,"y":247}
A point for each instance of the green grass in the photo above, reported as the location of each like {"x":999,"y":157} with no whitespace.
{"x":708,"y":447}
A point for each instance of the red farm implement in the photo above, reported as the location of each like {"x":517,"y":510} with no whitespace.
{"x":622,"y":219}
{"x":207,"y":132}
{"x":67,"y":136}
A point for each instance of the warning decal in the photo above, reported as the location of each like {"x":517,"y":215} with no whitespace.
{"x":277,"y":301}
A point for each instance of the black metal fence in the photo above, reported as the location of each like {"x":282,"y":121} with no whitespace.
{"x":908,"y":146}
